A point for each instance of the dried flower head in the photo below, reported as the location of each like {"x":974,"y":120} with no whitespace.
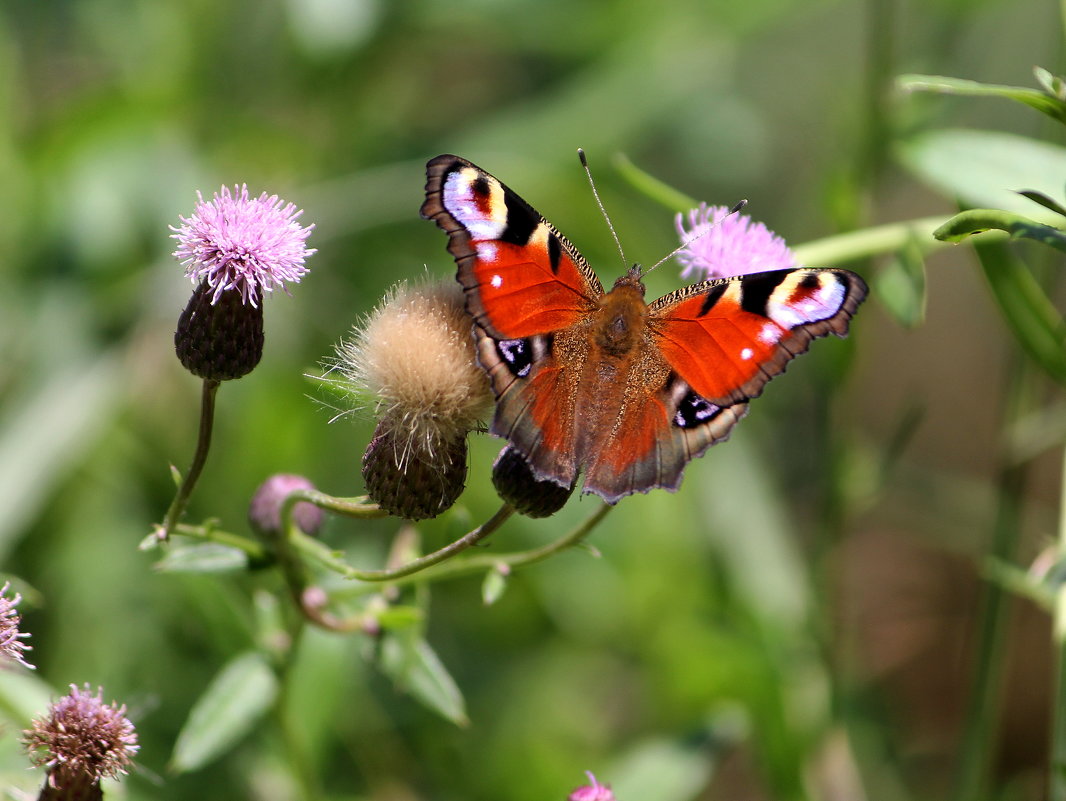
{"x":11,"y":646}
{"x":721,"y":245}
{"x":264,"y":511}
{"x":242,"y":243}
{"x":82,"y":741}
{"x":413,"y":362}
{"x":515,"y":483}
{"x":594,"y":791}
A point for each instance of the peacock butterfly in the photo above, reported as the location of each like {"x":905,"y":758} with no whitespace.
{"x":602,"y":383}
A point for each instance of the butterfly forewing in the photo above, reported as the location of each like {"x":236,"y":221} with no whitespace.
{"x":521,"y":276}
{"x":727,"y":338}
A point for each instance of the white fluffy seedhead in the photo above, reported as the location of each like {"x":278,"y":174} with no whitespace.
{"x":412,"y":360}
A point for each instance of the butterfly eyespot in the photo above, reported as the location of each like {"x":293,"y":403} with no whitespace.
{"x":694,"y":410}
{"x":517,"y":355}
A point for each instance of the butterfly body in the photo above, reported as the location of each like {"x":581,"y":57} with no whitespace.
{"x":602,"y":383}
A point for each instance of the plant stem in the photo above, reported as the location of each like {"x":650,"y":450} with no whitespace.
{"x":476,"y":564}
{"x":255,"y":551}
{"x":203,"y":444}
{"x":310,"y":547}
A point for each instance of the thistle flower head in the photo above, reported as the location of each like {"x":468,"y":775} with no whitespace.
{"x":237,"y":242}
{"x":721,"y":245}
{"x":83,"y":740}
{"x":413,"y":362}
{"x":11,"y":646}
{"x":594,"y":791}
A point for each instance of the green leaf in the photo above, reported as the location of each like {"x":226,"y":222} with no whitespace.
{"x":494,"y":586}
{"x":1032,"y":317}
{"x":1053,"y":84}
{"x":1045,"y":102}
{"x":1043,"y":200}
{"x":901,"y":286}
{"x":232,"y":704}
{"x":416,"y":669}
{"x":207,"y":557}
{"x":985,"y":168}
{"x":975,"y":221}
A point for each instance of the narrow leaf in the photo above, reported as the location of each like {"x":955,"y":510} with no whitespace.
{"x":400,"y":617}
{"x":1032,"y":317}
{"x":1043,"y":200}
{"x":415,"y":668}
{"x":975,"y":221}
{"x":652,"y":187}
{"x":232,"y":704}
{"x":1048,"y":104}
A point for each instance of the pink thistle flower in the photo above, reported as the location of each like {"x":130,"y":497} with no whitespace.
{"x":82,"y":741}
{"x":592,"y":792}
{"x":242,"y":243}
{"x":721,"y":245}
{"x":11,"y":646}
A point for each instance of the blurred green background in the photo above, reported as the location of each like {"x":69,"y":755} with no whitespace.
{"x":796,"y":622}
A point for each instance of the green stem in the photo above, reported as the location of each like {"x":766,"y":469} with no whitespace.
{"x":312,"y":548}
{"x":1057,"y":763}
{"x":516,"y":559}
{"x":866,"y":242}
{"x":359,"y":507}
{"x":255,"y":551}
{"x":203,"y":444}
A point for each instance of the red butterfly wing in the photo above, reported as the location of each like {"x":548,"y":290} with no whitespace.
{"x":521,"y":276}
{"x":712,"y":347}
{"x":727,"y":338}
{"x":528,"y":290}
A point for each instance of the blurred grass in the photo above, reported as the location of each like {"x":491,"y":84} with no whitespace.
{"x":711,"y":646}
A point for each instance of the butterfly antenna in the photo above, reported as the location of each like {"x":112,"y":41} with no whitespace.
{"x":603,"y":211}
{"x":702,"y":234}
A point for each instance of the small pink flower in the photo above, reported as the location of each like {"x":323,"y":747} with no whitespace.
{"x":721,"y":245}
{"x":83,"y":740}
{"x":242,"y":243}
{"x":11,"y":646}
{"x":592,"y":792}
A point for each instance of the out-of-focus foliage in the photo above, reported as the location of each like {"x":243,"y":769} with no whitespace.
{"x":792,"y":621}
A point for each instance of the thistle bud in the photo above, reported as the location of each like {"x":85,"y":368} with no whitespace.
{"x":413,"y":362}
{"x":219,"y":341}
{"x":515,"y":483}
{"x":264,"y":511}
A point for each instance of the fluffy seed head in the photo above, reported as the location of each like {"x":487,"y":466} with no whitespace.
{"x":82,"y":739}
{"x":237,"y":242}
{"x":413,"y":362}
{"x":722,"y":245}
{"x":11,"y":646}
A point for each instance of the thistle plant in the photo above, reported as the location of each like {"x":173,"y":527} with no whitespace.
{"x":12,"y":647}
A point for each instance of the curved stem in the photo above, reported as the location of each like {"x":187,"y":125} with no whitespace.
{"x":256,"y":552}
{"x":359,"y":506}
{"x":310,"y":547}
{"x":203,"y":444}
{"x":477,"y":564}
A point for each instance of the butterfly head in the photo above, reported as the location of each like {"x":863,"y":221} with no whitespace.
{"x":632,"y":277}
